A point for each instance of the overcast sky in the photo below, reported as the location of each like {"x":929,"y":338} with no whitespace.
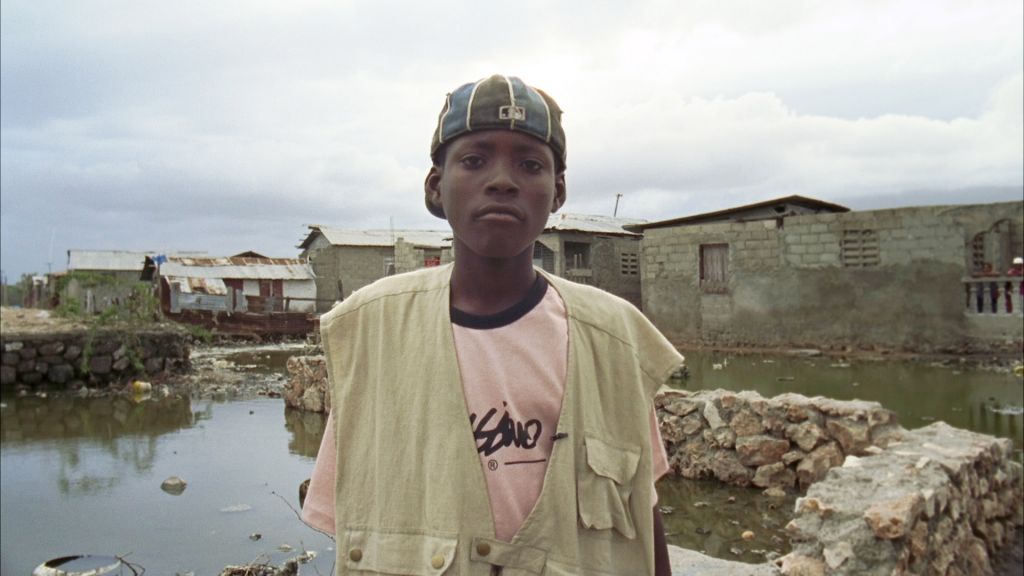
{"x":229,"y":126}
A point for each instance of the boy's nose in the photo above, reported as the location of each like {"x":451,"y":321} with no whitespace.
{"x":502,"y":179}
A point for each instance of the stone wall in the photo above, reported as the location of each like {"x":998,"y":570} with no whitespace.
{"x":790,"y":286}
{"x":786,"y":442}
{"x":880,"y":499}
{"x":95,"y":358}
{"x":307,"y":387}
{"x":941,"y":501}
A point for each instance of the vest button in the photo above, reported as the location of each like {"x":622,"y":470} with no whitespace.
{"x":355,"y":555}
{"x":483,"y":548}
{"x":437,"y":562}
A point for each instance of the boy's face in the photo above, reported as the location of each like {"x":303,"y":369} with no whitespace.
{"x":497,"y":188}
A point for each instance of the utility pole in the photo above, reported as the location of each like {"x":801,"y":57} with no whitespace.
{"x":616,"y":213}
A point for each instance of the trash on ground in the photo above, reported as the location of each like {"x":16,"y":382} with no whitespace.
{"x":173,"y":485}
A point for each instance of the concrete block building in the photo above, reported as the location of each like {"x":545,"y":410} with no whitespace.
{"x":346,"y":260}
{"x":592,"y":249}
{"x":800,"y":272}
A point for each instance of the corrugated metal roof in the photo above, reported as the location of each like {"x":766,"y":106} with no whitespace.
{"x":591,"y":223}
{"x":238,"y":268}
{"x":127,"y":260}
{"x":422,"y":238}
{"x":106,"y":260}
{"x":811,"y":203}
{"x":213,"y":286}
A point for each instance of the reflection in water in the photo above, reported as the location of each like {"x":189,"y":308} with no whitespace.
{"x":30,"y":418}
{"x":124,"y":430}
{"x":307,"y":429}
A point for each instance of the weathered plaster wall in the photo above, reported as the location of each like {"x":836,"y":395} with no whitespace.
{"x":788,"y":286}
{"x":300,"y":289}
{"x":74,"y":359}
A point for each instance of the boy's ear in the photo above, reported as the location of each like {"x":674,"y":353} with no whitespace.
{"x":559,"y":198}
{"x":432,"y":192}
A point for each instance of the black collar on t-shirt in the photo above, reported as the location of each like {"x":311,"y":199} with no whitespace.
{"x":506,"y":316}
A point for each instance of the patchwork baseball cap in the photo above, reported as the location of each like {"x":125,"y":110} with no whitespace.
{"x":500,"y":103}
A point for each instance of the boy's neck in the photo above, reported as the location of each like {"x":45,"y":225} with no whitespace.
{"x":485,"y":286}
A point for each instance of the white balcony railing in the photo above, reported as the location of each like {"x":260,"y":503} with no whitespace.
{"x":994,"y":296}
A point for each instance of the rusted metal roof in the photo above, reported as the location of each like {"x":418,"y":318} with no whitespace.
{"x":591,"y":224}
{"x":193,"y":285}
{"x":238,"y":268}
{"x":344,"y":237}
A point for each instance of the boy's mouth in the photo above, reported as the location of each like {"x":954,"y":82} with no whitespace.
{"x":499,"y":213}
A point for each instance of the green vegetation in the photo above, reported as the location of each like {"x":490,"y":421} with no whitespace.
{"x":200,"y":333}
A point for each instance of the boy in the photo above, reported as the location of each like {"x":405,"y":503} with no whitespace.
{"x":488,"y":418}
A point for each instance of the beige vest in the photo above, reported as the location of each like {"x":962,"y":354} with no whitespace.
{"x":411,"y":496}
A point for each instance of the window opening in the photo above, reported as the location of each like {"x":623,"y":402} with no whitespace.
{"x":714,"y":268}
{"x":860,"y":248}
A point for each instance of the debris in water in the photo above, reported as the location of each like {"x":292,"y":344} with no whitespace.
{"x":717,"y":366}
{"x":731,"y":500}
{"x":840,"y":365}
{"x":79,"y":565}
{"x":255,"y":536}
{"x":747,"y":535}
{"x":702,"y":531}
{"x":785,"y":378}
{"x":700,"y":504}
{"x":285,"y":548}
{"x":237,"y":508}
{"x":666,"y":510}
{"x":173,"y":485}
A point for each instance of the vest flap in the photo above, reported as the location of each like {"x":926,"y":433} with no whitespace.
{"x":507,"y":555}
{"x":413,"y":554}
{"x":619,"y":464}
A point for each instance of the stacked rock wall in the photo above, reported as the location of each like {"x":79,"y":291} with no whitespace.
{"x":745,"y":439}
{"x":880,"y":499}
{"x":940,"y":501}
{"x":307,"y":388}
{"x":75,"y":359}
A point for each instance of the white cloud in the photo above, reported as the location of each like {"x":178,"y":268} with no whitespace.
{"x":229,"y":125}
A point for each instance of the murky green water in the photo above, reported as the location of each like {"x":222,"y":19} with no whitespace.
{"x":82,"y":476}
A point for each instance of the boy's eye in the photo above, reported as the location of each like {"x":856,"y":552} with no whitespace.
{"x":533,"y":165}
{"x":471,"y":161}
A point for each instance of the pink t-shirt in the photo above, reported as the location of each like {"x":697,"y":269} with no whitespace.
{"x":513,"y":370}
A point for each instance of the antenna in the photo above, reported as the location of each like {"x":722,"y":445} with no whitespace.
{"x":49,"y":258}
{"x":616,"y":213}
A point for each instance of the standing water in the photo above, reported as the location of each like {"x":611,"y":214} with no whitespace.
{"x":83,"y":475}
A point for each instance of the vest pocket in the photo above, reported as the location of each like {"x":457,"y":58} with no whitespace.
{"x":604,"y":487}
{"x":394,"y":553}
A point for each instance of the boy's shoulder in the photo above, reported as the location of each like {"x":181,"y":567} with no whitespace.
{"x":595,"y":306}
{"x":418,"y":281}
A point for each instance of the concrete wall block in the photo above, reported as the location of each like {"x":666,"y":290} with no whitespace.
{"x":829,"y":259}
{"x":819,"y":227}
{"x":798,"y":249}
